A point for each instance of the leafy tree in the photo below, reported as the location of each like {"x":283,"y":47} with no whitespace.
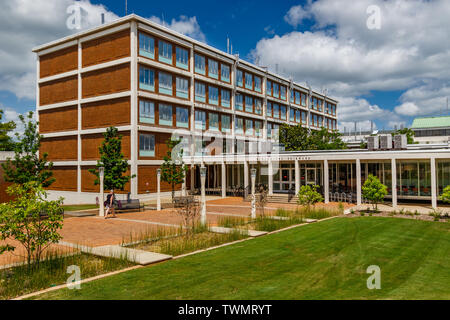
{"x":446,"y":194}
{"x":27,"y":164}
{"x":409,"y":134}
{"x":297,"y":138}
{"x":173,"y":169}
{"x":113,"y":160}
{"x":6,"y":141}
{"x":30,"y":220}
{"x":374,"y":191}
{"x":308,"y":195}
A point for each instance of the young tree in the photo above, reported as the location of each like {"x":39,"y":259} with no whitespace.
{"x":27,"y":165}
{"x":446,"y":194}
{"x":374,"y":191}
{"x":6,"y":141}
{"x":113,"y":160}
{"x":308,"y":195}
{"x":173,"y":169}
{"x":30,"y":220}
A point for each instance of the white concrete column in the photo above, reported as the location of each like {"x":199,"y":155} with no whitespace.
{"x":270,"y":173}
{"x":394,"y":182}
{"x":245,"y":177}
{"x":297,"y":177}
{"x":203,"y":195}
{"x":358,"y":182}
{"x":224,"y":180}
{"x":158,"y":189}
{"x":183,"y":187}
{"x":102,"y":192}
{"x":253,"y":174}
{"x":433,"y":184}
{"x":326,"y":182}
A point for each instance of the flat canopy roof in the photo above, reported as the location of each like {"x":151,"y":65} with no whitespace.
{"x":431,"y":122}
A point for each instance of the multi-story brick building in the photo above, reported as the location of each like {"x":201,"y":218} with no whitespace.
{"x":149,"y":81}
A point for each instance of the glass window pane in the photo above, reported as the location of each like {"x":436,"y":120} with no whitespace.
{"x":165,"y":115}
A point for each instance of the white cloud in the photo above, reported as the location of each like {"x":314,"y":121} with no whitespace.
{"x":184,"y":25}
{"x":25,"y":24}
{"x":342,"y":54}
{"x":296,"y":15}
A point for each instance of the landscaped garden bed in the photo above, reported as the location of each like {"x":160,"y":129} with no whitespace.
{"x":405,"y":214}
{"x":53,"y":271}
{"x":183,"y":241}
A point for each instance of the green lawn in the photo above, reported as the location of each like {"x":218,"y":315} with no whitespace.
{"x":325,"y":260}
{"x":79,"y":207}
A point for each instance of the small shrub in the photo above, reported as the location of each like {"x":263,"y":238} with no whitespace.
{"x":341,"y":207}
{"x":308,"y":195}
{"x":362,"y":214}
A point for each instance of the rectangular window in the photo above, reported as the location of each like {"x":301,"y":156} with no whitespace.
{"x":182,"y":117}
{"x":283,"y":92}
{"x":182,"y":58}
{"x":146,"y":112}
{"x":269,"y":109}
{"x":292,"y":96}
{"x":225,"y":96}
{"x":165,"y":83}
{"x":304,"y":117}
{"x":297,"y":116}
{"x":297,"y":97}
{"x":226,"y":123}
{"x":248,"y":104}
{"x":269,"y":130}
{"x":269,"y":88}
{"x":146,"y":46}
{"x":213,"y":95}
{"x":239,"y":102}
{"x":275,"y":130}
{"x":257,"y":81}
{"x":146,"y":145}
{"x":283,"y":112}
{"x":276,"y":90}
{"x":213,"y":121}
{"x":276,"y":111}
{"x":248,"y":81}
{"x":258,"y":106}
{"x":199,"y":62}
{"x":182,"y":87}
{"x":239,"y":78}
{"x":249,"y":127}
{"x":258,"y":128}
{"x":165,"y":52}
{"x":292,"y":115}
{"x":165,"y":115}
{"x":200,"y":92}
{"x":303,"y":100}
{"x":239,"y":125}
{"x":319,"y":105}
{"x":224,"y":72}
{"x":200,"y":120}
{"x":213,"y":69}
{"x":146,"y":79}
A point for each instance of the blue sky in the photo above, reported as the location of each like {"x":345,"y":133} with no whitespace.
{"x":388,"y":75}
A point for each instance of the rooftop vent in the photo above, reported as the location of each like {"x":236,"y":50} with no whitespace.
{"x":400,"y":141}
{"x":386,"y":142}
{"x":373,"y":143}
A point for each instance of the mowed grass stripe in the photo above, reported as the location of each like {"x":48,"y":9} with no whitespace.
{"x":326,"y":260}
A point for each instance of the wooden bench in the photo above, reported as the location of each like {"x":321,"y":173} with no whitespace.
{"x":128,"y":205}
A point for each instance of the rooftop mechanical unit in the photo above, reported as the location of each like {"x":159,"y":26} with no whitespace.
{"x":386,"y":142}
{"x":400,"y":142}
{"x":373,"y":143}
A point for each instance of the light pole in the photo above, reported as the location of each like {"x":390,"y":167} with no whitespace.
{"x":158,"y":184}
{"x":101,"y":173}
{"x":203,"y":180}
{"x":253,"y":175}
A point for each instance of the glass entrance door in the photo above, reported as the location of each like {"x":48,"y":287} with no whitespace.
{"x":310,"y":176}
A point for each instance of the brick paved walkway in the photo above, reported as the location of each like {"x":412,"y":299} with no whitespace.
{"x":96,"y":231}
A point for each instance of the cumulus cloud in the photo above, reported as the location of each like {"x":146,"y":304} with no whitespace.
{"x":296,"y":15}
{"x":184,"y":25}
{"x":342,"y":54}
